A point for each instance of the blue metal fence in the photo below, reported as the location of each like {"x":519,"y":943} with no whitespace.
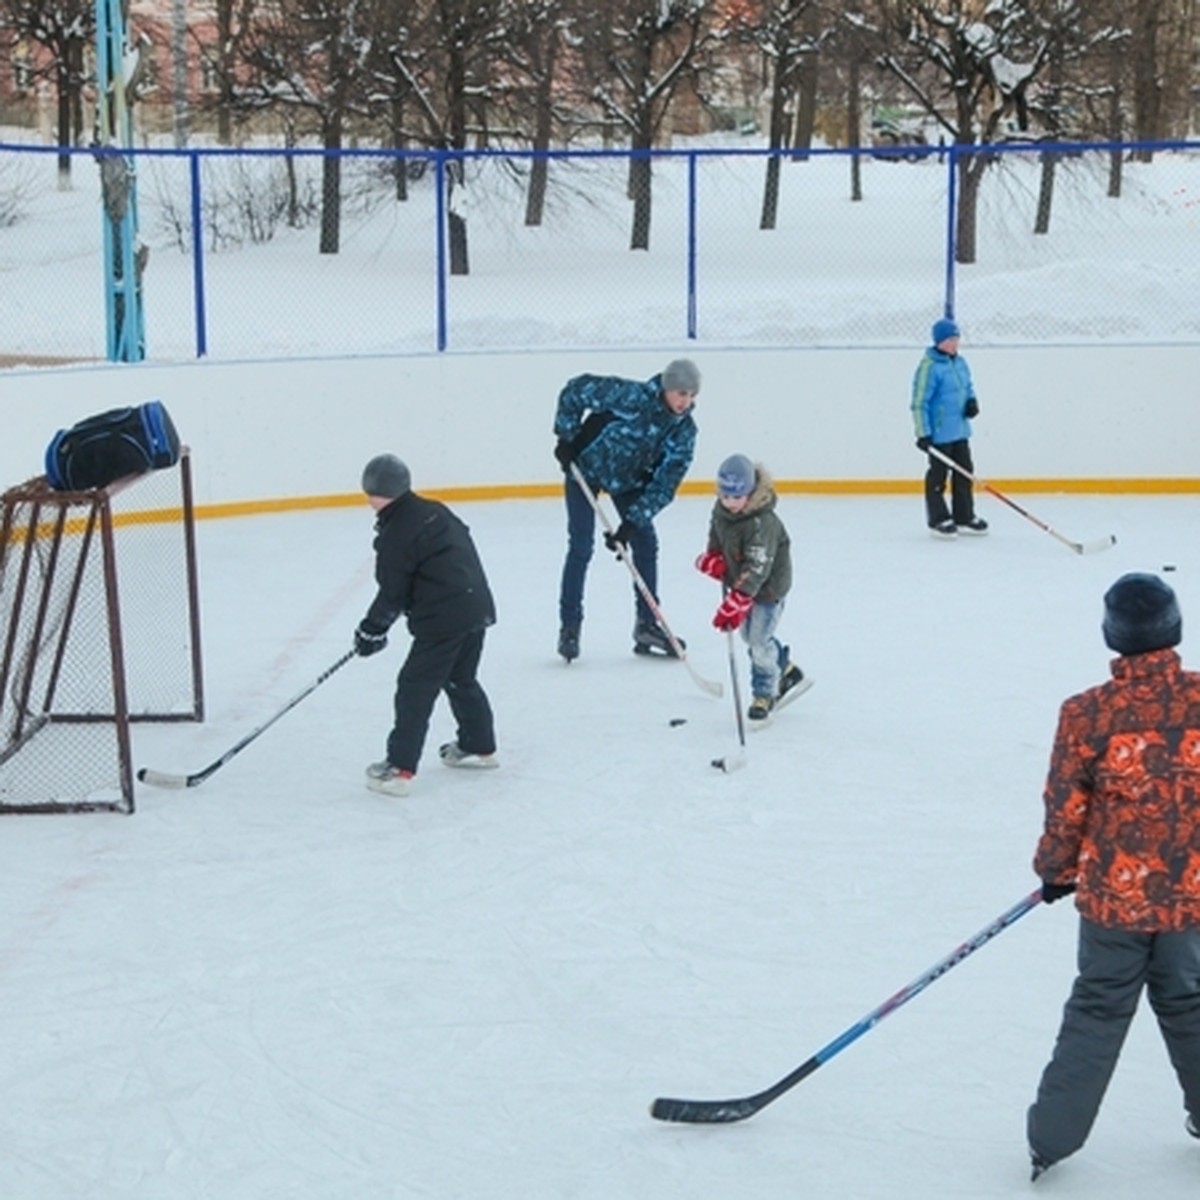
{"x":234,"y":269}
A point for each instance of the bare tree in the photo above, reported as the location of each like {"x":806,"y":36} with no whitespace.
{"x":539,"y":32}
{"x":786,"y":34}
{"x":970,"y":68}
{"x":639,"y":52}
{"x":65,"y":28}
{"x":438,"y":66}
{"x":310,"y":55}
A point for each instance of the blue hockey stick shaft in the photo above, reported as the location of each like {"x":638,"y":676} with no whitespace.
{"x":710,"y":1112}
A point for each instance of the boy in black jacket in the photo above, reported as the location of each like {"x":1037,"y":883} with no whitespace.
{"x":427,"y":570}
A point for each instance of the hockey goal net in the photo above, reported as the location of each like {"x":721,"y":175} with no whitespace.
{"x":99,"y":628}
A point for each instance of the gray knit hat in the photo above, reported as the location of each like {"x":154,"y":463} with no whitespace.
{"x":1141,"y":614}
{"x":385,"y":475}
{"x":682,"y":375}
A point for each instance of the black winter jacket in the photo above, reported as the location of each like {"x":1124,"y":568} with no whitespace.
{"x":427,"y":569}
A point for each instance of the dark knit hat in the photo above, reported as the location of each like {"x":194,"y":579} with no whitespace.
{"x":385,"y":475}
{"x":736,"y":476}
{"x":944,"y":328}
{"x":1141,"y":614}
{"x":682,"y":375}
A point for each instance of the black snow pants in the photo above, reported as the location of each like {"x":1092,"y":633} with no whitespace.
{"x":450,"y":665}
{"x":1114,"y":965}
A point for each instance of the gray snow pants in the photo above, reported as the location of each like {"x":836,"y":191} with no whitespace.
{"x":1113,"y":967}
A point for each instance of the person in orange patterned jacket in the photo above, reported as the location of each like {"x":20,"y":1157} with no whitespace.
{"x":1122,"y":831}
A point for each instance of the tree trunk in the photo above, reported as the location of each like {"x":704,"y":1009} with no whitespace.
{"x":854,"y":125}
{"x":1041,"y":223}
{"x":399,"y":163}
{"x":971,"y":169}
{"x":331,"y":187}
{"x":777,"y":138}
{"x":62,"y":85}
{"x":806,"y":103}
{"x":1115,"y":162}
{"x":539,"y":171}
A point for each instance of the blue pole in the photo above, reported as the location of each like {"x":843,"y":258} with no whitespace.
{"x":442,"y":233}
{"x":198,"y":257}
{"x":691,"y":246}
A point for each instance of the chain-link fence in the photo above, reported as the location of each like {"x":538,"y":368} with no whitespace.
{"x":264,"y":252}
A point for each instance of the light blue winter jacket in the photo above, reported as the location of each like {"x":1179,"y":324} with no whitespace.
{"x":644,"y":447}
{"x":941,"y":388}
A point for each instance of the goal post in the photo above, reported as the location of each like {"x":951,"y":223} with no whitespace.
{"x":99,"y":629}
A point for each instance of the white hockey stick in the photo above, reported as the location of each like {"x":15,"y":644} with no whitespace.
{"x":162,"y":779}
{"x":711,"y":686}
{"x":1093,"y":547}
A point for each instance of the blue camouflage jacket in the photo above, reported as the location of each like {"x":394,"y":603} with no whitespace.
{"x":941,"y":388}
{"x":642,"y":446}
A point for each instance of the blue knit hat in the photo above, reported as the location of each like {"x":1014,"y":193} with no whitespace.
{"x":736,"y":476}
{"x":943,"y":328}
{"x":1141,"y":614}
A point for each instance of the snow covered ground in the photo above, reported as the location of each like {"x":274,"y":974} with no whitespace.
{"x":280,"y":985}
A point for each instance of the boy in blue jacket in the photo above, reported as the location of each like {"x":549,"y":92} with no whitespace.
{"x":943,"y":401}
{"x":635,"y":441}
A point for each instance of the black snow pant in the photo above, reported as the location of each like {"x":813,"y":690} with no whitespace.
{"x":449,"y":665}
{"x":1113,"y":967}
{"x":962,"y":495}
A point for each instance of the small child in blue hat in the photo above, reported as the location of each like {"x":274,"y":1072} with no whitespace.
{"x":749,"y":551}
{"x":943,"y":403}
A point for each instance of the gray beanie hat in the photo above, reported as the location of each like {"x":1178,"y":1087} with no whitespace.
{"x":1141,"y":614}
{"x":682,"y":375}
{"x":386,"y":475}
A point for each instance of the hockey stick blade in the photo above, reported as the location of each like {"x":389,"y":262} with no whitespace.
{"x":1095,"y":547}
{"x":725,"y":1112}
{"x":730,"y":762}
{"x":160,"y":779}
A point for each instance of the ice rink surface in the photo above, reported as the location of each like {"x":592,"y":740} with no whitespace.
{"x":280,"y":986}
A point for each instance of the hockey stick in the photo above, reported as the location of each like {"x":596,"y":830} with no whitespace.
{"x":1092,"y":547}
{"x":709,"y":1112}
{"x":733,"y":762}
{"x":711,"y":686}
{"x":163,"y":780}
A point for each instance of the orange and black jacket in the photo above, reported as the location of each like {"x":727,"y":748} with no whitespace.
{"x":1123,"y":797}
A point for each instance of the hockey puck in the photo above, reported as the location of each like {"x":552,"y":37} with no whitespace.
{"x":1168,"y":566}
{"x":677,"y":721}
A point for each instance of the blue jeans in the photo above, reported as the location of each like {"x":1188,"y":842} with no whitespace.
{"x":768,"y":655}
{"x":581,"y":536}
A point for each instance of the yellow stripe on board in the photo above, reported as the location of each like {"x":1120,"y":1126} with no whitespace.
{"x":1181,"y":485}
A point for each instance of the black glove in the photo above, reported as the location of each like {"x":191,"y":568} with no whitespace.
{"x":569,"y":449}
{"x":565,"y":453}
{"x":1055,"y":891}
{"x":618,"y":540}
{"x":369,"y":639}
{"x":971,"y":408}
{"x":923,"y":443}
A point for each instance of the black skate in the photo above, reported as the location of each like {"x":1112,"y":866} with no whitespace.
{"x":568,"y":642}
{"x":650,"y":639}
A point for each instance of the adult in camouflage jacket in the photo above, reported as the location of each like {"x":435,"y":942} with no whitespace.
{"x":635,"y":441}
{"x":1122,"y":831}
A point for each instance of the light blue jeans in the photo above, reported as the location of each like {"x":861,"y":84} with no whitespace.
{"x":768,"y":655}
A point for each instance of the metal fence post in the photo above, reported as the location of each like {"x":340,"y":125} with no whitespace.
{"x":198,"y":255}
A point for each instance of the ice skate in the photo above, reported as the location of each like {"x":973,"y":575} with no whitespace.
{"x":454,"y":756}
{"x":391,"y":781}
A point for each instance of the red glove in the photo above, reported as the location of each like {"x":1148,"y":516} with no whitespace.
{"x":711,"y":563}
{"x":734,"y":609}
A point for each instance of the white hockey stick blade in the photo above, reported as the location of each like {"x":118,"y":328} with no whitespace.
{"x":1104,"y":543}
{"x":160,"y":780}
{"x":712,"y":686}
{"x":730,"y":762}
